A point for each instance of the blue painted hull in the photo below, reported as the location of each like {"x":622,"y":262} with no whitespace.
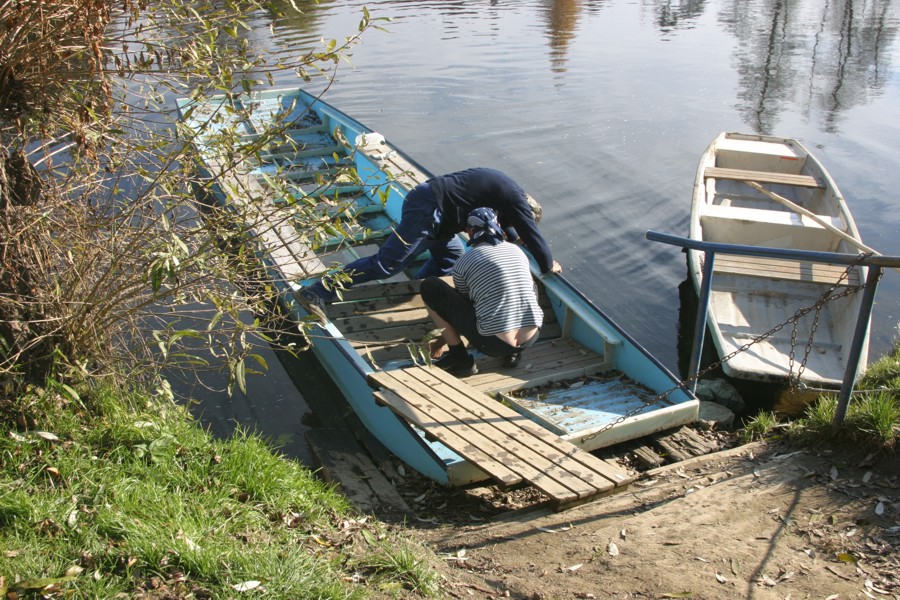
{"x":670,"y":404}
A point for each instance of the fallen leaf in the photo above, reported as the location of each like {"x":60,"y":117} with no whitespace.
{"x":574,"y":568}
{"x":869,"y":585}
{"x":846,"y":557}
{"x":612,"y":549}
{"x":720,"y":578}
{"x":369,"y":537}
{"x":622,"y":533}
{"x":735,"y":567}
{"x":833,"y":473}
{"x":247,"y":586}
{"x":677,"y":595}
{"x":548,"y":530}
{"x":74,"y":570}
{"x":879,"y":508}
{"x":46,"y":435}
{"x":867,"y":477}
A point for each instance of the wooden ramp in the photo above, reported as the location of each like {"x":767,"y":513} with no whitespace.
{"x":504,"y":444}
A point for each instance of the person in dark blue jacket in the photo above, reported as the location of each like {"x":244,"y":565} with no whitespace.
{"x":432,"y":214}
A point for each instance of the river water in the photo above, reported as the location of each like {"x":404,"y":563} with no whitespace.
{"x":601,"y":111}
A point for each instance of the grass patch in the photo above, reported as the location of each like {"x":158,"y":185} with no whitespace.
{"x":110,"y":494}
{"x":871,"y":424}
{"x":760,"y":427}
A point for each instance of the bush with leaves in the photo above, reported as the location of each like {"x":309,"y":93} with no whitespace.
{"x":107,"y":265}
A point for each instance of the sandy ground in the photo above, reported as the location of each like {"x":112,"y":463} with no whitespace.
{"x":759,"y":521}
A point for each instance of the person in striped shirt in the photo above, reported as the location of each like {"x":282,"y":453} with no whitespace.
{"x":493,"y":302}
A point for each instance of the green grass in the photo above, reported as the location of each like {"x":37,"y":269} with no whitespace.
{"x":760,"y":427}
{"x":871,"y":423}
{"x":112,"y":494}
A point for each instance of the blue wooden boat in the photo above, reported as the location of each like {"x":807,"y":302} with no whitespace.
{"x":583,"y":386}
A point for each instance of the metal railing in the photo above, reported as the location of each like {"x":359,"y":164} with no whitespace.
{"x":875,"y":264}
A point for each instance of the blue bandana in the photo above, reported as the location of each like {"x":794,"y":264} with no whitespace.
{"x":485,"y":227}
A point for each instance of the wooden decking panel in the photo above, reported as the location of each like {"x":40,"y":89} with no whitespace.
{"x":791,"y":270}
{"x":486,"y":433}
{"x":545,"y":362}
{"x":380,"y":320}
{"x":763,"y":177}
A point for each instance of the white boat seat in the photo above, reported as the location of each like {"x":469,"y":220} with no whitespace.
{"x":763,"y":177}
{"x":774,"y":228}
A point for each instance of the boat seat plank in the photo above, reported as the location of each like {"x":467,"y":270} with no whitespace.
{"x":381,"y":320}
{"x":393,"y":333}
{"x":792,"y":270}
{"x":763,"y":177}
{"x":486,"y":432}
{"x":768,"y":217}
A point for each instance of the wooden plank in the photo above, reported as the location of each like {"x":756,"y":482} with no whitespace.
{"x":382,"y":290}
{"x":560,"y":448}
{"x":553,"y":360}
{"x":491,"y":432}
{"x":381,"y":320}
{"x":399,"y":333}
{"x":440,"y":429}
{"x":763,"y":177}
{"x":375,"y":305}
{"x":691,"y":442}
{"x":277,"y":238}
{"x":343,"y":462}
{"x":471,"y":401}
{"x":492,"y":436}
{"x":388,"y":350}
{"x":794,"y":270}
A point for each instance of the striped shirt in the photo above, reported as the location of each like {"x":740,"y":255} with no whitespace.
{"x":498,"y":281}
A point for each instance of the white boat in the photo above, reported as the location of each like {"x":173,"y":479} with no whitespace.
{"x":776,"y":320}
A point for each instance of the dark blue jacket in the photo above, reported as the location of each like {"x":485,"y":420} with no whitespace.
{"x":461,"y":192}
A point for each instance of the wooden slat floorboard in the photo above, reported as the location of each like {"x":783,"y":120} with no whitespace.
{"x":382,"y":320}
{"x":434,"y":426}
{"x":485,"y":432}
{"x":792,"y":270}
{"x":616,"y":476}
{"x":545,"y":362}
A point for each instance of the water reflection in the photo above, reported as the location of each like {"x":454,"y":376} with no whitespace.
{"x":562,"y":26}
{"x":821,"y":56}
{"x":671,"y":16}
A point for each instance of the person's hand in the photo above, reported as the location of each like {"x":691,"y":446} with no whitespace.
{"x":556,"y":268}
{"x":436,"y":348}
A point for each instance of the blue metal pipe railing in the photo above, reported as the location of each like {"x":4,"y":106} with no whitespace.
{"x":875,"y":263}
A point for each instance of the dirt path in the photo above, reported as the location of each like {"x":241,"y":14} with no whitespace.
{"x":755,"y":522}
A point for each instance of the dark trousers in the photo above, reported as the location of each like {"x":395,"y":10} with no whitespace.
{"x":420,"y":220}
{"x":458,"y":310}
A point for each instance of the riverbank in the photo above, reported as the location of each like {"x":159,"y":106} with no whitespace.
{"x":762,"y":521}
{"x":106,"y":493}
